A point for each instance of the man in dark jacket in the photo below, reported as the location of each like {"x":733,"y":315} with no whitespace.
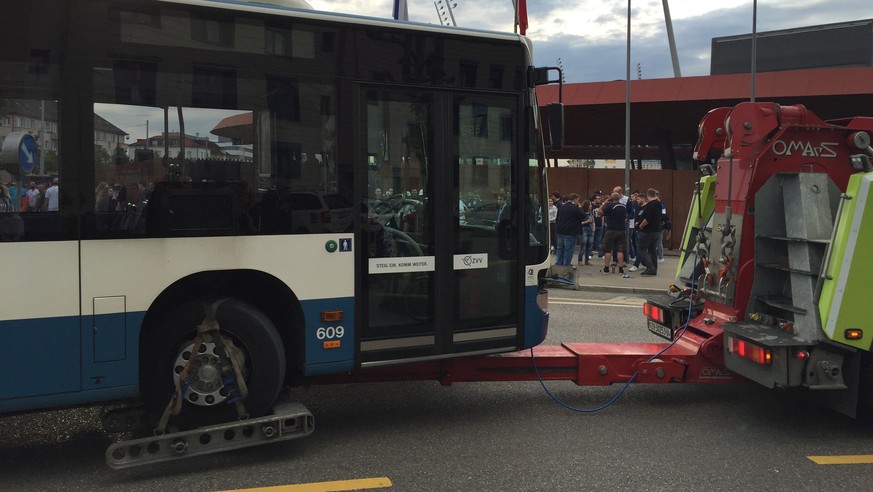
{"x":615,"y":217}
{"x":650,"y":231}
{"x":567,"y":226}
{"x":596,"y":201}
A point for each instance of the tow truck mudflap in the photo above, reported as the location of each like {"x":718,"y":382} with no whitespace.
{"x":288,"y":421}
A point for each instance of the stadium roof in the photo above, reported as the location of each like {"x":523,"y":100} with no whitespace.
{"x":666,"y":112}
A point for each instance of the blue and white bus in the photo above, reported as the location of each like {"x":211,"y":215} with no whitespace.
{"x":214,"y":200}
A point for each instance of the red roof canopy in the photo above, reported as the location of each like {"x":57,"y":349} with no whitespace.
{"x":238,"y":127}
{"x":667,"y":111}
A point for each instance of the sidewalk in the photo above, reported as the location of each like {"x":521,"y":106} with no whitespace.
{"x":590,"y":277}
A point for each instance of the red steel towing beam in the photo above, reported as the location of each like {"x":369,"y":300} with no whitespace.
{"x":693,"y":359}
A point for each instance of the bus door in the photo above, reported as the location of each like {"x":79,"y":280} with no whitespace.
{"x":486,"y":283}
{"x":439,"y":247}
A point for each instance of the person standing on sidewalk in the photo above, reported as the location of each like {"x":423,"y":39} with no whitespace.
{"x":553,"y":216}
{"x":640,"y":199}
{"x":650,"y":231}
{"x":631,"y":205}
{"x":665,"y":227}
{"x":586,"y":235}
{"x":615,"y":215}
{"x":622,"y":197}
{"x":567,"y":226}
{"x":624,"y":200}
{"x":596,"y":201}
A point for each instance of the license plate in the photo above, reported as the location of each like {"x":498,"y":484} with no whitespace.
{"x":660,"y":330}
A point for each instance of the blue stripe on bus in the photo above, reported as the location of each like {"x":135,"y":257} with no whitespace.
{"x":40,"y":356}
{"x":326,"y":351}
{"x":110,"y":350}
{"x":60,"y":361}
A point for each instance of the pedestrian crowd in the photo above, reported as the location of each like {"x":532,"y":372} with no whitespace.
{"x":43,"y":197}
{"x":614,"y":226}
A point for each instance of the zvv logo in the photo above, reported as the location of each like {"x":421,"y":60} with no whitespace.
{"x":472,"y":260}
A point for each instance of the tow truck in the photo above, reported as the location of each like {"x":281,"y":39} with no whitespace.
{"x":773,"y":258}
{"x":770,"y":287}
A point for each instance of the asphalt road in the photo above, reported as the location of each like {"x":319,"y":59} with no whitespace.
{"x":492,"y":436}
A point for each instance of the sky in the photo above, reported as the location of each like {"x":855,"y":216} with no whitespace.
{"x":590,"y":36}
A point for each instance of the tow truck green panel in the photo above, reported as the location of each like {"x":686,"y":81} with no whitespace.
{"x":702,"y":206}
{"x":847,"y":287}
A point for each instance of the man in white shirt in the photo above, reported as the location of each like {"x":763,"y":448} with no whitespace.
{"x":32,"y":197}
{"x":51,"y":196}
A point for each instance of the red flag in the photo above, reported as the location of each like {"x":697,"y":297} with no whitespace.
{"x":522,"y":16}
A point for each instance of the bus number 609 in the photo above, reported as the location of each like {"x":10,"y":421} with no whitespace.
{"x":330,"y":332}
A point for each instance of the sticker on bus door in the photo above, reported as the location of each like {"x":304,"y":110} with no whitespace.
{"x":402,"y":264}
{"x":471,"y":261}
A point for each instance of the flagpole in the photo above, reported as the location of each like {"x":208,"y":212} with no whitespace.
{"x":401,"y":10}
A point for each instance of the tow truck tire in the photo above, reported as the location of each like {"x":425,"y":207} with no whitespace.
{"x":865,"y":388}
{"x":248,"y":328}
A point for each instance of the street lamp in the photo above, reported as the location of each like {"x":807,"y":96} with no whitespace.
{"x":627,"y":103}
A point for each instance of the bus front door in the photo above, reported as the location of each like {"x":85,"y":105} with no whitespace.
{"x":439,"y":241}
{"x":486,"y":277}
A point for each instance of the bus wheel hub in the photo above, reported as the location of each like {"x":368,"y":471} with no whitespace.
{"x":205,"y":385}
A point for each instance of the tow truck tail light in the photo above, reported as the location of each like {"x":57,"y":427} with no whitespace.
{"x":750,"y":351}
{"x":653,"y":312}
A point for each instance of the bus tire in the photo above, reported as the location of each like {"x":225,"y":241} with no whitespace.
{"x":252,"y":332}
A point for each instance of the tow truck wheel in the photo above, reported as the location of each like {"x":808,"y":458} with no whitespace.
{"x":865,"y":388}
{"x":207,"y":398}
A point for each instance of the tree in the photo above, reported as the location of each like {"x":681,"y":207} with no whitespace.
{"x":120,"y":156}
{"x":51,"y":162}
{"x":102,"y":159}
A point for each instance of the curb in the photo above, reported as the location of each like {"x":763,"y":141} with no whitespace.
{"x":622,"y":290}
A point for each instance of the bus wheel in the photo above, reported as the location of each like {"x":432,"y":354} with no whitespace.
{"x":209,"y":393}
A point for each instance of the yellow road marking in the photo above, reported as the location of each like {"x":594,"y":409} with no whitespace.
{"x":335,"y":486}
{"x":850,"y":459}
